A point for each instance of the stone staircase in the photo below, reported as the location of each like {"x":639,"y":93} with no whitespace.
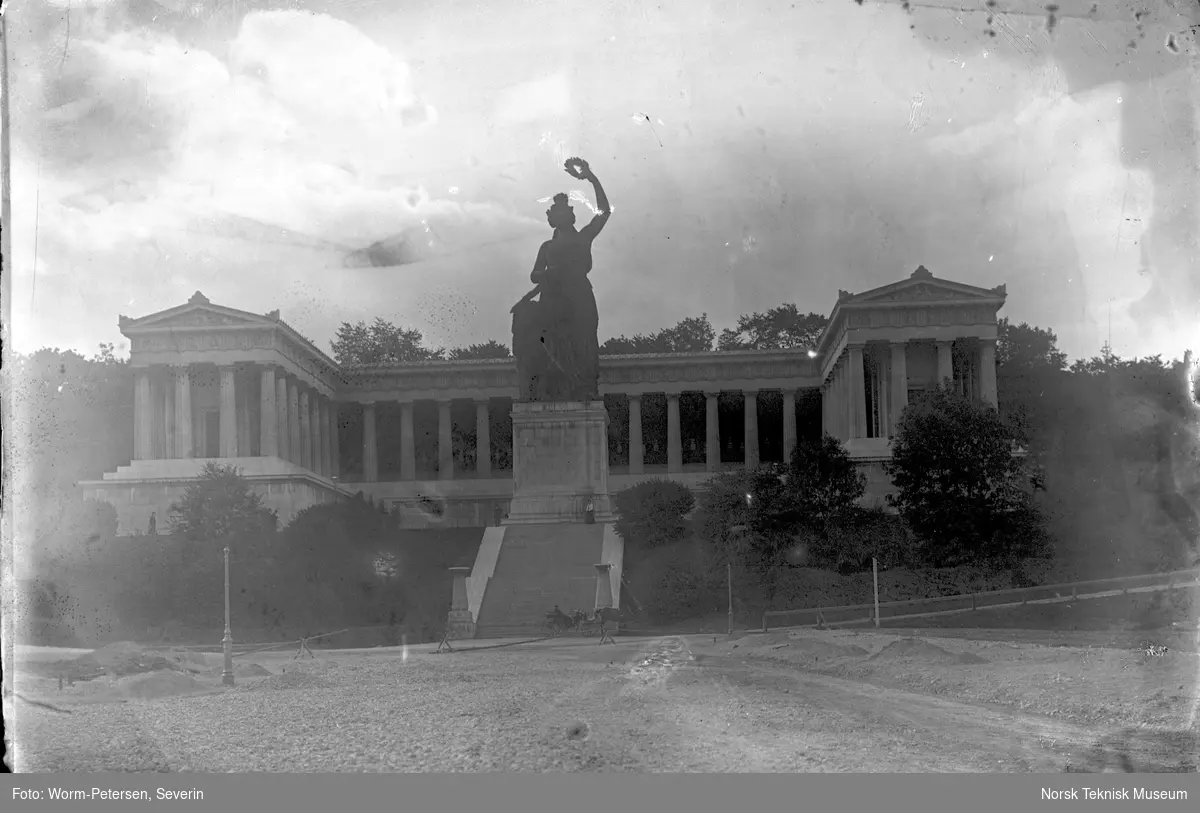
{"x":540,"y":566}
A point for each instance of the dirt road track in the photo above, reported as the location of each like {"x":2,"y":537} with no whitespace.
{"x":651,"y":705}
{"x":720,"y":713}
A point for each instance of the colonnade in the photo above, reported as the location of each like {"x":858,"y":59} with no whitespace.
{"x":233,"y":411}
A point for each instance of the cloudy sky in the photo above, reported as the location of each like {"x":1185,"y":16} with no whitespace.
{"x":754,"y":152}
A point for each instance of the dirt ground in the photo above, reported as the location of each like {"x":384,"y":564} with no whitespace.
{"x":795,"y":702}
{"x":1092,"y":685}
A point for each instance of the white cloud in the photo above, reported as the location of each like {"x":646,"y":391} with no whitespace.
{"x":549,"y":97}
{"x":1063,"y":154}
{"x":287,"y":133}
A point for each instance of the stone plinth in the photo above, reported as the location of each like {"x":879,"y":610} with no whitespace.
{"x":604,"y":593}
{"x":560,"y":463}
{"x":460,"y":622}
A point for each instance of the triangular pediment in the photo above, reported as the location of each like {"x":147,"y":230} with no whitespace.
{"x":922,"y":286}
{"x":198,"y":313}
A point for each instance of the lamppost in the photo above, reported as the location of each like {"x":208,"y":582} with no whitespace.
{"x":740,"y":530}
{"x":227,"y":641}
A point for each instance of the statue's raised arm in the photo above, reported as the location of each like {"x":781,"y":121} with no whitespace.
{"x":579,"y":168}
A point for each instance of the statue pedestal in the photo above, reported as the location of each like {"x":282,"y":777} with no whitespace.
{"x":560,"y":463}
{"x":460,"y":624}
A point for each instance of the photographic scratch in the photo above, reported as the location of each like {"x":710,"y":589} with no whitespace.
{"x":639,"y":117}
{"x":37,"y":213}
{"x":1098,"y":42}
{"x":66,"y":41}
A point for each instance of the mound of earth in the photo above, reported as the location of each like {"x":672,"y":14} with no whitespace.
{"x":119,"y":659}
{"x":245,"y":670}
{"x":158,"y":684}
{"x":825,"y":649}
{"x":915,"y":648}
{"x":190,"y":661}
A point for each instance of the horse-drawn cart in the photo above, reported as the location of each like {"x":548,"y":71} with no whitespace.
{"x":603,"y":622}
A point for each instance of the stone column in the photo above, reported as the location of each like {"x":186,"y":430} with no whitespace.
{"x":318,"y":434}
{"x":827,"y":424}
{"x":789,"y":425}
{"x":326,"y":439}
{"x":604,"y":596}
{"x":169,"y":447}
{"x":987,"y":371}
{"x":305,"y":432}
{"x":712,"y":432}
{"x":899,"y":399}
{"x":838,"y":404}
{"x":370,"y":453}
{"x":460,"y":622}
{"x":824,"y":408}
{"x":227,"y":446}
{"x":294,"y":445}
{"x":408,"y":458}
{"x":674,"y":435}
{"x":858,"y":399}
{"x":157,"y":412}
{"x":283,"y":431}
{"x":837,"y":408}
{"x":483,"y":439}
{"x":635,"y":434}
{"x":268,"y":419}
{"x":883,"y":371}
{"x":183,"y":413}
{"x":445,"y":442}
{"x":335,"y":445}
{"x":750,"y":422}
{"x":143,"y":415}
{"x":945,"y":364}
{"x":241,"y":411}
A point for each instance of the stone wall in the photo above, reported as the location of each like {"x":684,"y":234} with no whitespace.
{"x":135,"y":502}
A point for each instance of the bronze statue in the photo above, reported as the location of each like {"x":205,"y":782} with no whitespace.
{"x":554,"y":338}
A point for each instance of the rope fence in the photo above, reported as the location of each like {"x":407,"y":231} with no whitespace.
{"x":254,"y":648}
{"x":968,"y":602}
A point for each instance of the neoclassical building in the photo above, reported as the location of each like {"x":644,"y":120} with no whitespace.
{"x":433,"y":440}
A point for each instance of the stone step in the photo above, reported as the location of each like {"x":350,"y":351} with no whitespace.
{"x":539,"y":567}
{"x":509,"y":631}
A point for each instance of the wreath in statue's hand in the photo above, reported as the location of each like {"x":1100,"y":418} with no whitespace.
{"x":577,"y":168}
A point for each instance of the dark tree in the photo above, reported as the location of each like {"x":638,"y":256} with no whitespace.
{"x":381,"y":342}
{"x":653,"y":512}
{"x":760,"y":516}
{"x":220,"y":507}
{"x":780,"y":328}
{"x":490,"y":349}
{"x":692,"y":335}
{"x":961,"y":489}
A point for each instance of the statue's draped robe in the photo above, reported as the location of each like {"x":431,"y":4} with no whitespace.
{"x":555,"y":339}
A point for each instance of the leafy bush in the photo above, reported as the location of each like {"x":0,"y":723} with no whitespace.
{"x":653,"y":513}
{"x":824,"y":480}
{"x":220,"y":507}
{"x":760,"y":518}
{"x":853,"y":536}
{"x":960,"y":488}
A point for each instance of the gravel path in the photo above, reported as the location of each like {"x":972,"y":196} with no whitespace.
{"x":668,"y":704}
